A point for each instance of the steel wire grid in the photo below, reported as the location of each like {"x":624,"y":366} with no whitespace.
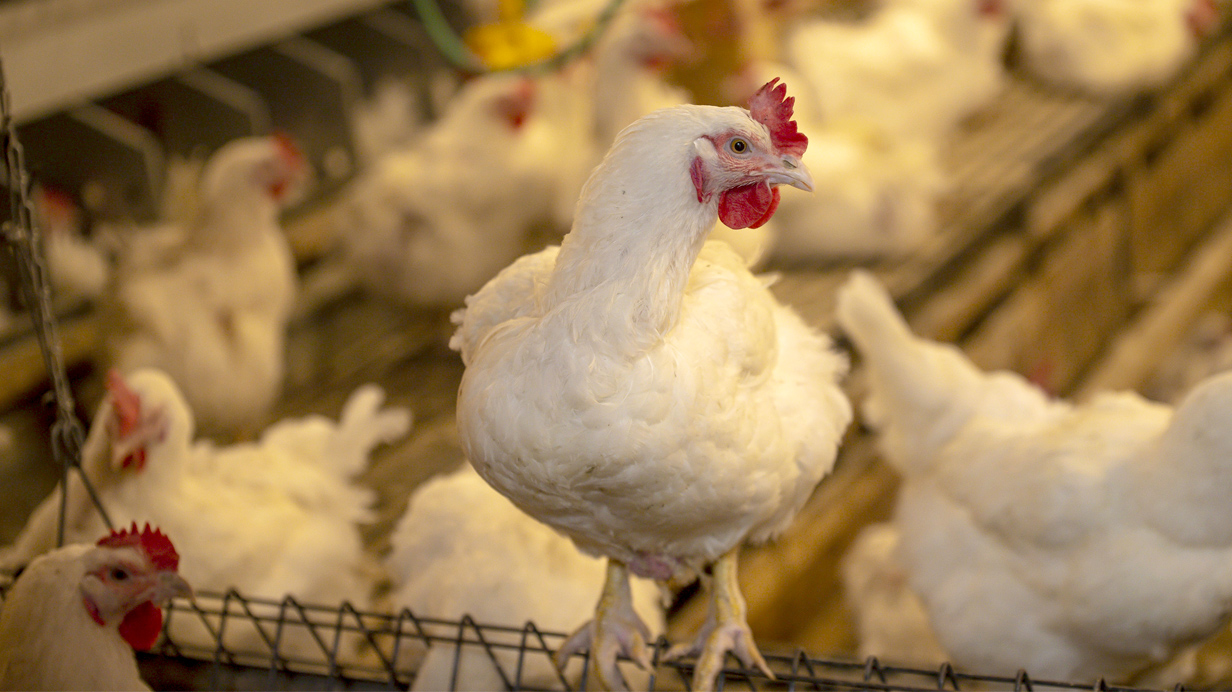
{"x":393,"y":645}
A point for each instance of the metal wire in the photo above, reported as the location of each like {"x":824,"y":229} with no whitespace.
{"x":385,"y":663}
{"x":388,"y":634}
{"x":23,"y":239}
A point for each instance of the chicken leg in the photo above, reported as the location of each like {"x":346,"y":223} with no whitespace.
{"x":726,"y":629}
{"x":615,"y":630}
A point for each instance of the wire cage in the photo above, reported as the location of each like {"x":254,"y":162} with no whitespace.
{"x":392,"y":645}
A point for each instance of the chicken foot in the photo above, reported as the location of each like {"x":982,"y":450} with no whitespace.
{"x":615,"y":630}
{"x":726,"y":629}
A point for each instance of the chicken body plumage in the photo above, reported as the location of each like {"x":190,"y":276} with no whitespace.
{"x":462,"y":548}
{"x":691,"y":445}
{"x":1075,"y":541}
{"x":275,"y":517}
{"x":213,"y":312}
{"x":642,"y":392}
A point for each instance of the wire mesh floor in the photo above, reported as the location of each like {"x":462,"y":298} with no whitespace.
{"x":392,"y":646}
{"x":349,"y":649}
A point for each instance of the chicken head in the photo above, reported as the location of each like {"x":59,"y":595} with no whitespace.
{"x":127,"y":576}
{"x":743,"y":167}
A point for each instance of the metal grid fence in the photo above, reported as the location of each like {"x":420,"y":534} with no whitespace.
{"x":392,"y":645}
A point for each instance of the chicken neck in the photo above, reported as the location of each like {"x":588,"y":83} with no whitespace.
{"x":638,"y":228}
{"x":230,"y":223}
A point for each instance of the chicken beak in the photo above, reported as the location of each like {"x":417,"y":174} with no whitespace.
{"x":130,"y":448}
{"x":790,"y":171}
{"x":168,"y":586}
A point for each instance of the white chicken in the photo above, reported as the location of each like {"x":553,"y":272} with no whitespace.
{"x":270,"y":518}
{"x":461,"y":548}
{"x":78,"y":269}
{"x":73,"y":618}
{"x":431,"y":223}
{"x":631,"y":60}
{"x":1073,"y":541}
{"x":389,"y":118}
{"x":890,"y":620}
{"x":1110,"y":47}
{"x":214,"y":314}
{"x":638,"y":390}
{"x":915,"y":68}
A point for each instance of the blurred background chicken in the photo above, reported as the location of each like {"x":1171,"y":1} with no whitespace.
{"x":891,"y":622}
{"x":1110,"y":47}
{"x":211,"y":307}
{"x":911,"y":68}
{"x":461,"y":548}
{"x":79,"y":269}
{"x":875,"y":195}
{"x":74,"y":617}
{"x":279,"y":516}
{"x":1075,"y":541}
{"x":430,"y":223}
{"x":632,"y":61}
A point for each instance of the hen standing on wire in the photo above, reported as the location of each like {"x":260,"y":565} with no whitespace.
{"x":639,"y":390}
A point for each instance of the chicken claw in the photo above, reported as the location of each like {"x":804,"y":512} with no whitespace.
{"x":616,"y":630}
{"x":726,"y":629}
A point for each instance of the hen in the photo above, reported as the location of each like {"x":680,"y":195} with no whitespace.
{"x":1110,"y":46}
{"x":270,"y":518}
{"x":890,"y":620}
{"x":79,"y":270}
{"x":213,"y":312}
{"x":1075,"y":541}
{"x":73,"y":618}
{"x":631,"y":60}
{"x":638,"y":390}
{"x":461,"y":548}
{"x":431,"y":223}
{"x":914,"y":68}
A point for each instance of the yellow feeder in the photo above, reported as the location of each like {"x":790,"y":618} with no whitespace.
{"x":510,"y":42}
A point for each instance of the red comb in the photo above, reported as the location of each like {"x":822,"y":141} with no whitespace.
{"x":125,"y":401}
{"x":152,"y":542}
{"x":56,"y":198}
{"x":1203,"y":16}
{"x":516,"y":105}
{"x":288,"y":149}
{"x":772,"y":107}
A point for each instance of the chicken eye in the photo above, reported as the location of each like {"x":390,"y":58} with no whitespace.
{"x":738,"y":145}
{"x":118,"y":574}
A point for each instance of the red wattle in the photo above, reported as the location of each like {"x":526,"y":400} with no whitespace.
{"x":135,"y":458}
{"x":748,"y":206}
{"x":141,"y":626}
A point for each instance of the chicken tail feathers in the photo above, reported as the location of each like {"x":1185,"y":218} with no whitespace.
{"x":867,"y":314}
{"x":363,"y":425}
{"x":919,"y":390}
